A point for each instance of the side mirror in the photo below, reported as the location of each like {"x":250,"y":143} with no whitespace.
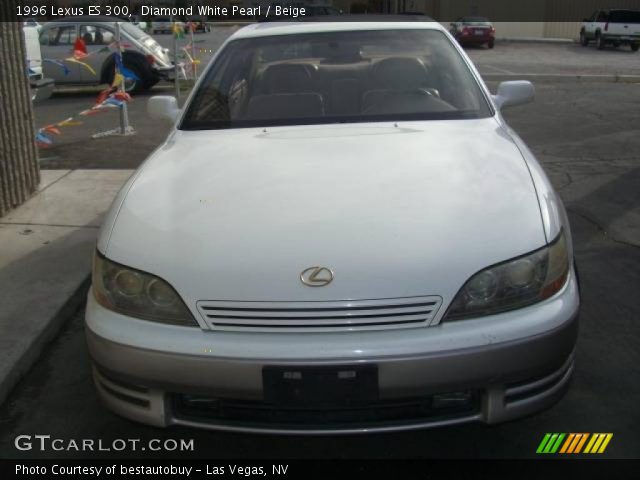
{"x":163,"y":107}
{"x":513,"y":93}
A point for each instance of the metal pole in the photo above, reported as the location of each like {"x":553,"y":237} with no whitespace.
{"x":175,"y":59}
{"x":124,"y":112}
{"x":194,"y":66}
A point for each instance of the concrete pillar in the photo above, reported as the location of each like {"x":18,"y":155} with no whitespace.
{"x":19,"y":171}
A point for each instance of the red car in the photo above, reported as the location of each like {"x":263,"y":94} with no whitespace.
{"x":199,"y":24}
{"x":473,"y":31}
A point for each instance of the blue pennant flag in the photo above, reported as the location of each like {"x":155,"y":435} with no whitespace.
{"x":124,"y":70}
{"x":113,"y":101}
{"x":41,"y":137}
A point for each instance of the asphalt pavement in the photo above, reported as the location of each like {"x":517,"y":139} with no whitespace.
{"x":587,"y":136}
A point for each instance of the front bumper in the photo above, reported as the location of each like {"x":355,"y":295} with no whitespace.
{"x":41,"y":89}
{"x":621,"y":38}
{"x":474,"y":39}
{"x":514,"y":364}
{"x":165,"y":73}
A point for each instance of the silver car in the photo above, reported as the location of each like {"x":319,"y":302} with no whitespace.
{"x":341,"y":234}
{"x":162,"y":25}
{"x":142,"y":54}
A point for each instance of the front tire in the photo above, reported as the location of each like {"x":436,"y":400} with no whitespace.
{"x":600,"y":43}
{"x":142,"y":71}
{"x":635,"y":47}
{"x":584,"y":41}
{"x":491,"y":43}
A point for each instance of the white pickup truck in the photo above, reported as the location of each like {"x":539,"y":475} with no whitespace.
{"x":41,"y":87}
{"x":614,"y":27}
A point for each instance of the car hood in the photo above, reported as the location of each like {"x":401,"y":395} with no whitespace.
{"x":393,"y":211}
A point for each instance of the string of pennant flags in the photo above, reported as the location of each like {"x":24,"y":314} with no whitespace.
{"x":188,"y":52}
{"x":79,"y":57}
{"x":112,"y":97}
{"x":109,"y":98}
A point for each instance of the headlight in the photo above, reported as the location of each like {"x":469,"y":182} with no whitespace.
{"x":513,"y":284}
{"x":137,"y":294}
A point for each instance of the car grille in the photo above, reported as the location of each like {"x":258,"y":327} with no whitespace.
{"x":319,"y":316}
{"x":202,"y":410}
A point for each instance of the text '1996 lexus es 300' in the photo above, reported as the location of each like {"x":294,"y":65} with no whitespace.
{"x":340,"y":234}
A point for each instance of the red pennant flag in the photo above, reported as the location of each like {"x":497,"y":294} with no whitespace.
{"x":79,"y":48}
{"x":103,"y":95}
{"x":122,"y":96}
{"x":52,"y":129}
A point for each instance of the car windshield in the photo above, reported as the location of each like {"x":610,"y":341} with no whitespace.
{"x":625,"y":16}
{"x":475,"y":21}
{"x":336,"y":77}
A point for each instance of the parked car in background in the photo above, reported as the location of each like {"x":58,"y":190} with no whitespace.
{"x":347,"y":237}
{"x":199,"y":24}
{"x":138,"y":21}
{"x":474,"y":31}
{"x":41,"y":86}
{"x":612,"y":27}
{"x":164,"y":25}
{"x":142,"y":54}
{"x":32,"y":22}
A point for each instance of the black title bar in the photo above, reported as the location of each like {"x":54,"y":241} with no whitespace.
{"x":225,"y":10}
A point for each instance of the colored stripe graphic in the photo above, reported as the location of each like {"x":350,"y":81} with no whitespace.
{"x":591,"y":442}
{"x":598,"y":442}
{"x":581,"y":443}
{"x":555,"y":447}
{"x":567,"y":442}
{"x":550,"y":443}
{"x":573,"y":443}
{"x":607,"y":439}
{"x":543,"y":442}
{"x":596,"y":445}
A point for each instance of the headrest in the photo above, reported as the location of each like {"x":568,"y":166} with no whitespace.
{"x":399,"y":73}
{"x":287,"y":78}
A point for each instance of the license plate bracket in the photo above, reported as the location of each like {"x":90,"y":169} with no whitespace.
{"x":311,"y":387}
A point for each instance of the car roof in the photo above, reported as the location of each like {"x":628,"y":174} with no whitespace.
{"x":335,"y":24}
{"x":474,"y":19}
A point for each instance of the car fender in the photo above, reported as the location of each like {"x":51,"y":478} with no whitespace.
{"x":552,"y":211}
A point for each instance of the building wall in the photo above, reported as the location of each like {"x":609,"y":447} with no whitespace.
{"x":562,"y":30}
{"x":19,"y":170}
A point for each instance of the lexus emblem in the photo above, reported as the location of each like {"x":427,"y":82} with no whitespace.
{"x":316,"y":276}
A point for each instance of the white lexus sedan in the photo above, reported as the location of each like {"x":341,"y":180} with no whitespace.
{"x":340,"y":234}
